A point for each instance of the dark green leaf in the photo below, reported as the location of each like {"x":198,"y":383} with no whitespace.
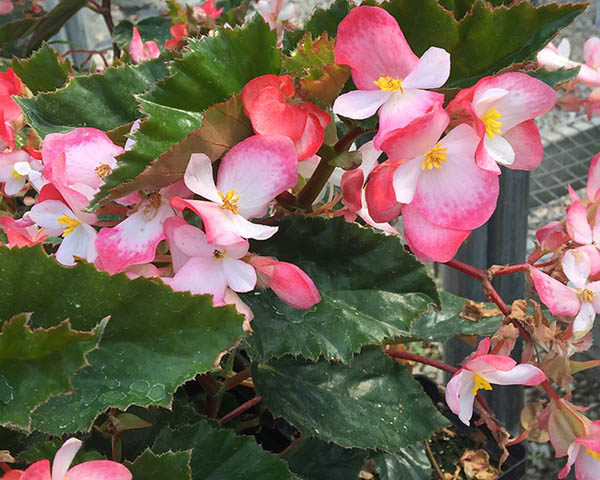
{"x":314,"y":459}
{"x":410,"y":463}
{"x":53,"y":21}
{"x":554,"y":77}
{"x":156,"y":339}
{"x":234,"y":15}
{"x":151,"y":29}
{"x":149,"y":465}
{"x":440,"y":326}
{"x":212,"y":69}
{"x":40,"y":450}
{"x":36,"y":365}
{"x":221,"y":454}
{"x":371,"y":290}
{"x":224,"y":125}
{"x":104,"y":101}
{"x":42,"y":72}
{"x":12,"y":31}
{"x":375,"y":403}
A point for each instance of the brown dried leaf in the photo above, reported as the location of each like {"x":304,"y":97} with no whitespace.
{"x":474,"y":311}
{"x":529,"y":421}
{"x":6,"y":457}
{"x":557,"y":367}
{"x":476,"y":465}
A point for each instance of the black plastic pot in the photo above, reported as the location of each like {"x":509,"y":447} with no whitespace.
{"x":514,"y":467}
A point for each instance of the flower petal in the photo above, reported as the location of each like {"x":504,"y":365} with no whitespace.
{"x":526,"y":144}
{"x":258,"y":168}
{"x":452,"y":389}
{"x":406,"y":179}
{"x":577,"y":224}
{"x":584,"y":321}
{"x":201,"y":275}
{"x":593,"y":181}
{"x":431,"y":71}
{"x":178,"y":258}
{"x":45,"y":214}
{"x":81,"y":242}
{"x":360,"y":104}
{"x":191,"y":241}
{"x":370,"y":41}
{"x":459,"y":195}
{"x":99,"y":470}
{"x":522,"y":374}
{"x":379,"y":193}
{"x":292,"y":285}
{"x":199,"y":177}
{"x":240,"y":276}
{"x":37,"y":471}
{"x":63,"y":458}
{"x":499,"y":149}
{"x":560,"y":299}
{"x":576,"y":265}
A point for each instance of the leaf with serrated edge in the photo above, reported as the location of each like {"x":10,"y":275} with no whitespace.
{"x":42,"y":72}
{"x":212,"y":69}
{"x":220,"y":454}
{"x":371,"y":289}
{"x":224,"y":125}
{"x":36,"y":365}
{"x":171,"y":465}
{"x":439,"y":326}
{"x":102,"y":101}
{"x":156,"y":338}
{"x":410,"y":463}
{"x":554,"y":77}
{"x":314,"y":459}
{"x":374,"y":403}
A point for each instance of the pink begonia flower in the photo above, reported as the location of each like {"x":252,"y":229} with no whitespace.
{"x":438,"y":176}
{"x":591,"y":105}
{"x":209,"y":8}
{"x":18,"y":167}
{"x":179,"y":32}
{"x":580,"y":231}
{"x":142,"y":51}
{"x":379,"y":192}
{"x":22,"y":232}
{"x":552,"y":236}
{"x":580,"y":301}
{"x":591,"y":54}
{"x":593,"y":180}
{"x":10,"y":112}
{"x":13,"y":475}
{"x":77,"y":162}
{"x":482,"y":370}
{"x":353,"y":192}
{"x":268,"y":103}
{"x":289,"y":282}
{"x":502,"y":109}
{"x":552,"y":58}
{"x":211,"y":268}
{"x":275,"y":12}
{"x":250,"y":176}
{"x":584,"y":453}
{"x":390,"y":78}
{"x":6,"y":6}
{"x":94,"y":470}
{"x":134,"y":240}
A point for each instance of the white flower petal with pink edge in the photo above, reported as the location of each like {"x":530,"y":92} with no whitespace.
{"x":577,"y":224}
{"x":178,"y":258}
{"x":200,"y":275}
{"x":560,"y":299}
{"x":459,"y":195}
{"x":81,"y":243}
{"x":240,"y":276}
{"x":134,"y":240}
{"x":593,"y":180}
{"x":258,"y":168}
{"x":431,"y":71}
{"x":576,"y":266}
{"x":500,"y":150}
{"x":523,"y":374}
{"x":45,"y":214}
{"x":199,"y":177}
{"x":526,"y":144}
{"x":360,"y":104}
{"x":64,"y":457}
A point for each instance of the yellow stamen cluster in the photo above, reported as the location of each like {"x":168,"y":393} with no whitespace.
{"x":103,"y":170}
{"x":16,"y":175}
{"x":491,"y":121}
{"x":218,"y":254}
{"x":434,"y":158}
{"x":585,"y":295}
{"x":595,"y":455}
{"x":389,"y":84}
{"x":230,"y":200}
{"x":480,"y":384}
{"x":70,"y":223}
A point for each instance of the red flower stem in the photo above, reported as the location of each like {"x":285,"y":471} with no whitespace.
{"x":239,"y":410}
{"x":517,"y":440}
{"x":507,"y":270}
{"x":547,"y":386}
{"x":4,"y":466}
{"x":211,"y":388}
{"x":237,"y":378}
{"x":424,"y":360}
{"x":545,"y":264}
{"x":469,"y":270}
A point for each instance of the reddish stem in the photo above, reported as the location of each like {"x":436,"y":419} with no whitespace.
{"x":547,"y":386}
{"x":237,"y":378}
{"x":4,"y":466}
{"x":545,"y":264}
{"x":474,"y":272}
{"x":418,"y":358}
{"x":523,"y":267}
{"x":239,"y":410}
{"x":516,"y":440}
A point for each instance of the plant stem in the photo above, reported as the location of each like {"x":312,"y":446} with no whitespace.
{"x":319,"y":178}
{"x":474,"y":272}
{"x":211,"y":388}
{"x":433,"y":461}
{"x":241,"y":409}
{"x":107,"y":14}
{"x":547,"y":386}
{"x":424,"y":360}
{"x":4,"y":466}
{"x":508,"y":269}
{"x":237,"y":378}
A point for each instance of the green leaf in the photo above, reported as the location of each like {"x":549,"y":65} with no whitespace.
{"x":156,"y":339}
{"x":151,"y":29}
{"x":314,"y":459}
{"x":233,"y":15}
{"x":42,"y":72}
{"x":36,"y":365}
{"x":371,"y":289}
{"x":104,"y":101}
{"x":410,"y":463}
{"x":375,"y":403}
{"x":224,"y":125}
{"x":220,"y":454}
{"x":53,"y":21}
{"x":40,"y":450}
{"x":212,"y":69}
{"x":171,"y":465}
{"x":10,"y":32}
{"x":439,"y":326}
{"x":554,"y":77}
